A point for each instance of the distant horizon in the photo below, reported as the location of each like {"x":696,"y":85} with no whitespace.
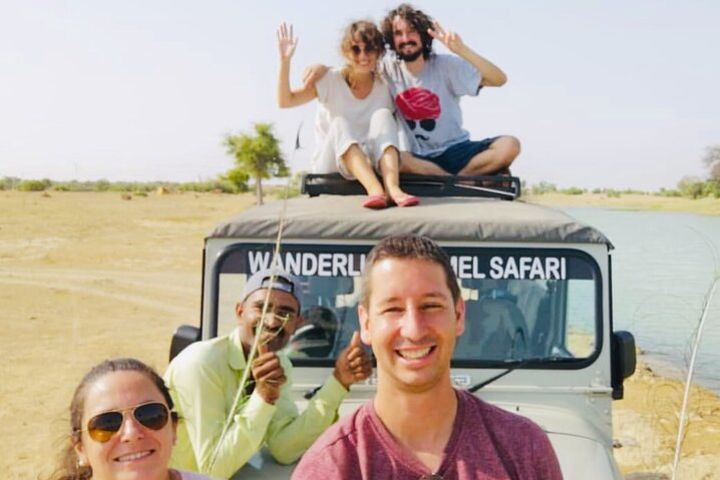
{"x":282,"y":181}
{"x":612,"y":94}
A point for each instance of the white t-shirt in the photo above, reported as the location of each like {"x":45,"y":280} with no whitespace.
{"x":335,"y":99}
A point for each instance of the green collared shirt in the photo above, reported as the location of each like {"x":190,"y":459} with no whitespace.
{"x":203,"y":381}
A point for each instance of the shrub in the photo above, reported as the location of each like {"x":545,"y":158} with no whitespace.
{"x":543,"y":188}
{"x":573,"y":191}
{"x":711,"y":189}
{"x":8,"y":183}
{"x":102,"y":185}
{"x":691,"y":188}
{"x":34,"y":185}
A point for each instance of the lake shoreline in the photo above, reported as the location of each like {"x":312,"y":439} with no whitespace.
{"x":630,"y":201}
{"x":646,"y":423}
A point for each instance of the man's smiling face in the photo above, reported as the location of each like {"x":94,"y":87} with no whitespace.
{"x":411,"y":322}
{"x":281,"y":319}
{"x":407,"y":40}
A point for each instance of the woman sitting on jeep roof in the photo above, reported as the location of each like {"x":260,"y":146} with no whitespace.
{"x":355,"y":128}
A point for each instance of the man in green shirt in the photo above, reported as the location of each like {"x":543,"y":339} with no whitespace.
{"x":205,"y":377}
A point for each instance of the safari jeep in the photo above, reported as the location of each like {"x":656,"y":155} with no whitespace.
{"x":539,"y":338}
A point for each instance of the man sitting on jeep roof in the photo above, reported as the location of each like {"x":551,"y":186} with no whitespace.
{"x":205,"y":377}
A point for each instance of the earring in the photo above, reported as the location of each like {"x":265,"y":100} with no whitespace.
{"x":81,"y":462}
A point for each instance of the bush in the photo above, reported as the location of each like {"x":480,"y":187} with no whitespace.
{"x":543,"y":188}
{"x":224,"y":186}
{"x":8,"y":183}
{"x":691,"y":188}
{"x":572,"y":191}
{"x":711,"y":189}
{"x":34,"y":185}
{"x":102,"y":185}
{"x":664,"y":192}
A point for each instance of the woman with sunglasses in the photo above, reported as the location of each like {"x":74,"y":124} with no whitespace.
{"x":122,"y":426}
{"x":356,"y":133}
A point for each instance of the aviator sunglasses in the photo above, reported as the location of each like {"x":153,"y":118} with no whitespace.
{"x":102,"y":427}
{"x":356,"y":49}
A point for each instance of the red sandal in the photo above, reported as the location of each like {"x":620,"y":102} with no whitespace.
{"x":376,"y":202}
{"x":408,"y":201}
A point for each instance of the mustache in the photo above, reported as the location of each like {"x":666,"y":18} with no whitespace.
{"x":411,"y":42}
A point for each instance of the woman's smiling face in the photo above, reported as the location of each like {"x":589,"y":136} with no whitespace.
{"x":135,"y":452}
{"x":363,"y":58}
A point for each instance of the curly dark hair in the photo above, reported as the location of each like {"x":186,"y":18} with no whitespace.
{"x":68,"y":468}
{"x":419,"y":21}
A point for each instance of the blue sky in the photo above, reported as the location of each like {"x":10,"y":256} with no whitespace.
{"x":601,"y":93}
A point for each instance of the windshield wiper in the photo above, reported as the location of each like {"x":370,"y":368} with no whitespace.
{"x":514,"y":365}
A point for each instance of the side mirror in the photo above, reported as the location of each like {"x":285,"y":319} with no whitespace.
{"x":623,"y":361}
{"x":183,"y":336}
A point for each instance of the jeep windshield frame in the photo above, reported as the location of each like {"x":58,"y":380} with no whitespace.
{"x":491,"y":296}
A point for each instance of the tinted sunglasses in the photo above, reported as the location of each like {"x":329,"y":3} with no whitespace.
{"x":102,"y":427}
{"x":368,"y":49}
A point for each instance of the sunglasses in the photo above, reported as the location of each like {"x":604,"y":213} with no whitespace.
{"x":102,"y":427}
{"x":356,"y":49}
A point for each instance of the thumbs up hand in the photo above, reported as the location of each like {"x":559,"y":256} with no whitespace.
{"x":353,"y":364}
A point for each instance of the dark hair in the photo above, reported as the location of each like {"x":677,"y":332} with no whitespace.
{"x":68,"y":468}
{"x":418,"y":19}
{"x":410,"y":247}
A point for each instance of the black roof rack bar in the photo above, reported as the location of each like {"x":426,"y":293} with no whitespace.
{"x":492,"y":186}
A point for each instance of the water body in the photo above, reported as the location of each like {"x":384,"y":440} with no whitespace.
{"x":663,"y":268}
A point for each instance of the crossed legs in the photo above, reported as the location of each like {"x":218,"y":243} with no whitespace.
{"x":497,"y":158}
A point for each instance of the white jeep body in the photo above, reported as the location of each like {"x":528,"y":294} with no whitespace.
{"x":531,"y":267}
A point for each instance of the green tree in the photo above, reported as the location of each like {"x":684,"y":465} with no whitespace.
{"x":691,"y":187}
{"x":256,"y":155}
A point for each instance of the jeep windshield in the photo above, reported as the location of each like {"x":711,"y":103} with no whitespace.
{"x":521,"y":303}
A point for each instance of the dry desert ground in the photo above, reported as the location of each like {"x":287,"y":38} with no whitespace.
{"x":88,"y":276}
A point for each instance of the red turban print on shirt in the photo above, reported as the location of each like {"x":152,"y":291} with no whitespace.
{"x":418,"y":104}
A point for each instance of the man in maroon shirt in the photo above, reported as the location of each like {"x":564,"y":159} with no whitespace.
{"x":418,"y":426}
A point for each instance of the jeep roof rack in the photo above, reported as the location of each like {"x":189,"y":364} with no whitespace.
{"x":491,"y":186}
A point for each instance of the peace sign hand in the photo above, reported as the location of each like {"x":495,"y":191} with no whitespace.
{"x":287,"y":42}
{"x":450,"y":39}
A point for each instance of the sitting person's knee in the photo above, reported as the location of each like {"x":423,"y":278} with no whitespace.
{"x":513,"y":146}
{"x":509,"y":147}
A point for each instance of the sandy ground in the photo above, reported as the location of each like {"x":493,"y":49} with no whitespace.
{"x":87,"y":276}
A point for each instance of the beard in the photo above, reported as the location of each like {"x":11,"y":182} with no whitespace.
{"x":409,"y":57}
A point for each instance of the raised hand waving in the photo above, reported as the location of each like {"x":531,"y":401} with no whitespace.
{"x":450,"y":39}
{"x":287,"y":41}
